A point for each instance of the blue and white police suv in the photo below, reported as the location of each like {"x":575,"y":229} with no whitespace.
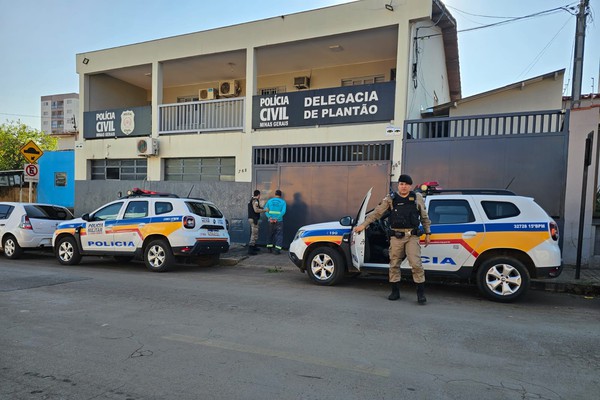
{"x":492,"y":237}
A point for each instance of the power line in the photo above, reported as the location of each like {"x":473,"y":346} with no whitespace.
{"x":21,"y":115}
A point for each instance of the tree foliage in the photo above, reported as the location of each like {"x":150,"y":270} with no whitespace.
{"x":13,"y":135}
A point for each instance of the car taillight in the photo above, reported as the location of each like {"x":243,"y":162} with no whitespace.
{"x":554,"y":231}
{"x":25,"y":223}
{"x":189,"y":222}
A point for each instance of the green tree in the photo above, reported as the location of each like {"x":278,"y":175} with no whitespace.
{"x":13,"y":135}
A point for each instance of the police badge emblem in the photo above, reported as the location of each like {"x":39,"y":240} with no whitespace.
{"x":127,"y":122}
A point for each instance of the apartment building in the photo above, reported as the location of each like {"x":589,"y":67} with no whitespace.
{"x":60,"y":113}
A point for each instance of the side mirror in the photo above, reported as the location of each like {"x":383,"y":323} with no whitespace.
{"x":346,"y":221}
{"x":85,"y":217}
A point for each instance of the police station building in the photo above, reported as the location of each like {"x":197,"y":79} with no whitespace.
{"x":310,"y":103}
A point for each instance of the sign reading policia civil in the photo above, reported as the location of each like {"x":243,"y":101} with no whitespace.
{"x":31,"y":152}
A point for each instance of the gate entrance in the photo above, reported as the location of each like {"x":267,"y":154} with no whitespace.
{"x":320,"y":183}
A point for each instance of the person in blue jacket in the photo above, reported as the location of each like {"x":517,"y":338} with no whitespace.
{"x":276,"y":207}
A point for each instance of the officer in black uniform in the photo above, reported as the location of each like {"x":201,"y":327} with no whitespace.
{"x":254,"y":211}
{"x":407,"y":213}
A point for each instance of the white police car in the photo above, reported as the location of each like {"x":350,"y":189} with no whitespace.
{"x":493,"y":237}
{"x":158,"y":228}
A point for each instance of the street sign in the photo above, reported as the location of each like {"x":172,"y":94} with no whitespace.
{"x":31,"y":173}
{"x":31,"y":151}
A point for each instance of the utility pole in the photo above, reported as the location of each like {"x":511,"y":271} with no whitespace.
{"x":578,"y":57}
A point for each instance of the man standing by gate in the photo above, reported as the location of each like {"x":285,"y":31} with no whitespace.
{"x":407,"y":213}
{"x":276,"y":207}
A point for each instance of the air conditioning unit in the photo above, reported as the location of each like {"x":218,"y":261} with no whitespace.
{"x":302,"y":82}
{"x":147,"y":147}
{"x":208,"y":94}
{"x":228,"y":88}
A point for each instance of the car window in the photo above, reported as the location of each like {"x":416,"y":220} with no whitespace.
{"x":109,"y":212}
{"x":500,"y":209}
{"x":136,"y":209}
{"x":5,"y":211}
{"x":47,"y":212}
{"x":162,"y":207}
{"x":204,"y":209}
{"x":450,"y":212}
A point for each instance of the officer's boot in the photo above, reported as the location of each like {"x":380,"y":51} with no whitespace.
{"x":252,"y":251}
{"x":421,"y":293}
{"x":256,"y":249}
{"x":395,"y":295}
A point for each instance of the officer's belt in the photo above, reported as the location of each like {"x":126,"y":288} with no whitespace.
{"x":404,"y":230}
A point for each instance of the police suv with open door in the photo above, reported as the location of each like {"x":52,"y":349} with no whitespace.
{"x":492,"y":237}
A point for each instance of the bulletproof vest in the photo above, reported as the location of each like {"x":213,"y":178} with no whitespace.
{"x":251,"y":213}
{"x":405,"y":213}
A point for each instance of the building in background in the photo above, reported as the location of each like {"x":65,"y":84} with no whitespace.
{"x":59,"y":118}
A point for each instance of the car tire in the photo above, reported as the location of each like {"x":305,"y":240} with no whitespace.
{"x":158,"y":256}
{"x":67,"y":251}
{"x":11,"y":247}
{"x":208,"y":260}
{"x":503,"y":279}
{"x":325,"y":266}
{"x":123,"y":259}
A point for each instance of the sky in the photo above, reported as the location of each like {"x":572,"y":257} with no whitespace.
{"x":39,"y":39}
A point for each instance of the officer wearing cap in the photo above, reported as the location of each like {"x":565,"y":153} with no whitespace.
{"x":407,"y":213}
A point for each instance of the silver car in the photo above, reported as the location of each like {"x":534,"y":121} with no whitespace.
{"x":28,"y":226}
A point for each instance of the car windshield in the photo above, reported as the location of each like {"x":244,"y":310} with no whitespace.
{"x":47,"y":212}
{"x":204,"y":209}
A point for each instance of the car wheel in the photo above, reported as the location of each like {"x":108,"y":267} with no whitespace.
{"x":158,"y":256}
{"x":67,"y":252}
{"x":123,"y":259}
{"x":503,"y":279}
{"x":11,"y":247}
{"x":325,"y":266}
{"x":208,"y":260}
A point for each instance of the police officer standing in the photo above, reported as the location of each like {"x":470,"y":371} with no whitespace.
{"x":407,"y":212}
{"x":254,"y":211}
{"x":276,"y":207}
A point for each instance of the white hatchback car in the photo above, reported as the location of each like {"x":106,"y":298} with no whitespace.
{"x":29,"y":226}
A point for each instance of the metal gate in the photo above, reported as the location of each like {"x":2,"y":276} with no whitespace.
{"x":320,"y":182}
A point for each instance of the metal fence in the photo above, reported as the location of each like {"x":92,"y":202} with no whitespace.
{"x":536,"y":122}
{"x":202,"y":116}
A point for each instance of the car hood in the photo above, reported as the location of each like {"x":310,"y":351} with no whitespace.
{"x":324,"y":225}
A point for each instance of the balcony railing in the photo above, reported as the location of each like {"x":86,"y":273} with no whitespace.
{"x":202,"y":116}
{"x":536,"y":122}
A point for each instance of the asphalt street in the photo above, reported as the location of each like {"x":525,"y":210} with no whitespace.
{"x":106,"y":331}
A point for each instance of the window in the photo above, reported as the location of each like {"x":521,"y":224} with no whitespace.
{"x":109,"y":212}
{"x":200,"y":169}
{"x":162,"y":207}
{"x":187,"y":99}
{"x":272,"y":90}
{"x":499,"y":209}
{"x":364,"y":80}
{"x":136,"y":209}
{"x":47,"y":212}
{"x":5,"y":211}
{"x":450,"y":212}
{"x":204,"y":209}
{"x":124,"y":170}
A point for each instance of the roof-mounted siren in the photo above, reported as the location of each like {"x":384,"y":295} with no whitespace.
{"x":147,"y":147}
{"x":302,"y":82}
{"x":208,"y":94}
{"x":229,"y":88}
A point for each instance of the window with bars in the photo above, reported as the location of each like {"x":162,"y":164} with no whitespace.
{"x":124,"y":170}
{"x":272,"y":90}
{"x":363,"y":80}
{"x":200,"y":169}
{"x":323,"y":154}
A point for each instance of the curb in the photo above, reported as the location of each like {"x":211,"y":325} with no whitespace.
{"x":584,"y":288}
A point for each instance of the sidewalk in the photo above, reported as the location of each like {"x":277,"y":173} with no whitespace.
{"x":588,"y":283}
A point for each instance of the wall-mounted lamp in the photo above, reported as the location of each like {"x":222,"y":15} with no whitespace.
{"x":85,"y":61}
{"x":389,"y":7}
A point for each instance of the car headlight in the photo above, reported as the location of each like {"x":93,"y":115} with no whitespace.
{"x":299,"y":234}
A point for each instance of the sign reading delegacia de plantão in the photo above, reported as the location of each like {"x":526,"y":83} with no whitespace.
{"x":340,"y":105}
{"x":118,"y":122}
